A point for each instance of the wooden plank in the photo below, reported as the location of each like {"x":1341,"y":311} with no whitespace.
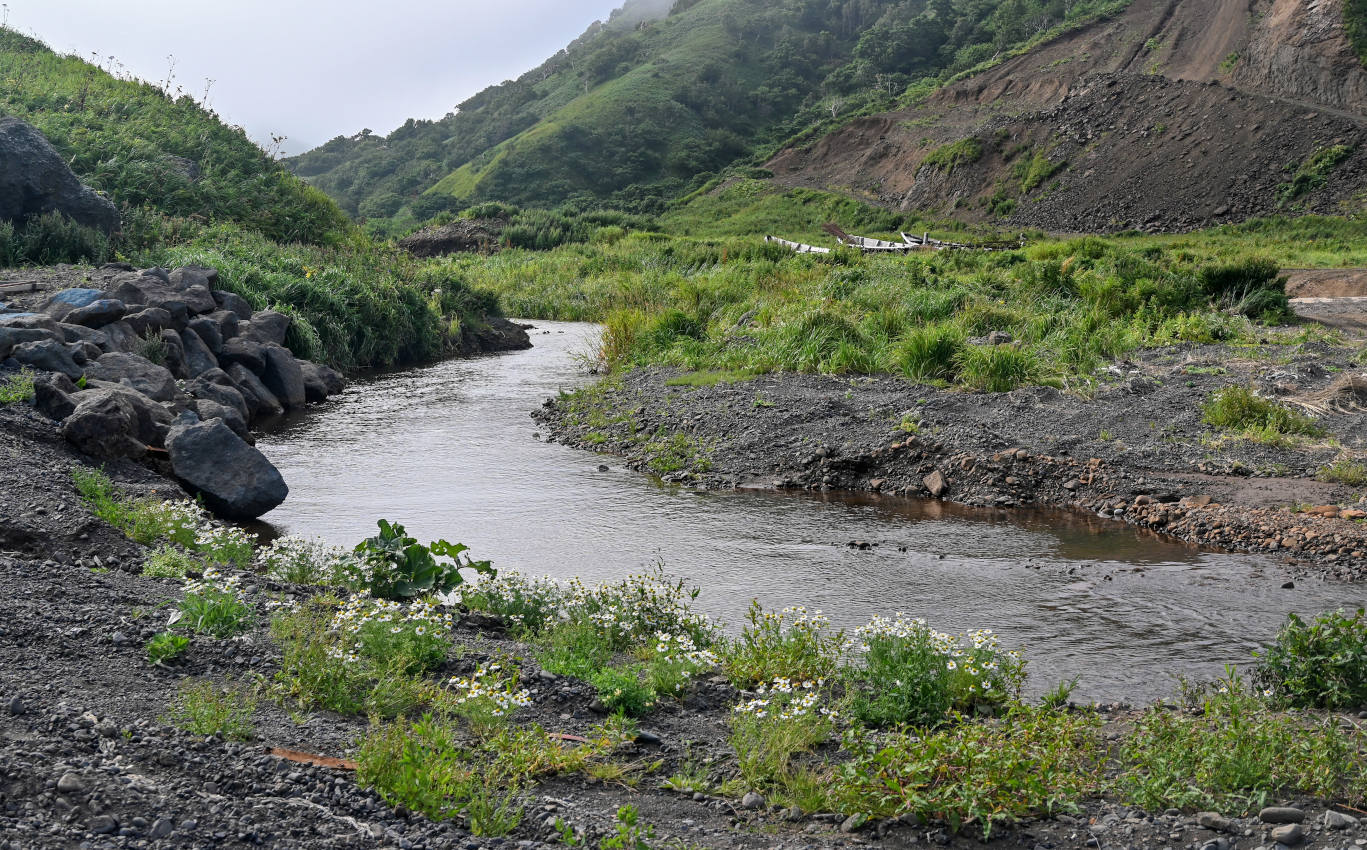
{"x":27,"y":286}
{"x":797,"y":247}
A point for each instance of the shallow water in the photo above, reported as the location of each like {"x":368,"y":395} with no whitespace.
{"x":449,"y":451}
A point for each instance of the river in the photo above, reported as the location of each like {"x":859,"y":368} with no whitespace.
{"x":450,"y":451}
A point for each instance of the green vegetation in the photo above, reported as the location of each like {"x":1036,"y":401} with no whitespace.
{"x":1355,"y":21}
{"x":947,"y":158}
{"x":633,"y":117}
{"x":215,"y":605}
{"x":51,"y":239}
{"x":792,"y":644}
{"x":1319,"y":664}
{"x":1344,"y":471}
{"x":16,"y":387}
{"x":164,"y":647}
{"x":205,"y":708}
{"x":399,"y":567}
{"x":147,"y":521}
{"x":1236,"y":755}
{"x":1314,"y":172}
{"x":170,"y":562}
{"x":1034,"y":171}
{"x":1238,"y":409}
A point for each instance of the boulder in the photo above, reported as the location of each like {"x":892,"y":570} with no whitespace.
{"x":97,"y":314}
{"x":153,"y":290}
{"x":149,"y":319}
{"x":35,"y":179}
{"x":120,"y":336}
{"x":209,"y":410}
{"x":49,"y":356}
{"x":80,"y":333}
{"x":234,"y":303}
{"x":260,"y":400}
{"x":10,"y":337}
{"x":244,"y":351}
{"x":102,"y":425}
{"x":185,"y":277}
{"x":227,"y":322}
{"x":29,"y":321}
{"x":175,"y":353}
{"x":268,"y":327}
{"x":209,"y":332}
{"x":198,"y":358}
{"x":283,"y":376}
{"x":51,"y":398}
{"x":155,"y":382}
{"x":319,"y":381}
{"x":226,"y":396}
{"x":70,"y":299}
{"x":150,"y":420}
{"x":236,"y":480}
{"x":84,"y":352}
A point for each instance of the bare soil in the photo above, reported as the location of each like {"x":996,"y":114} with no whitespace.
{"x":1169,"y":117}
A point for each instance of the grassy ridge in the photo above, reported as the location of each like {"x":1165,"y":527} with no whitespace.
{"x":193,"y":190}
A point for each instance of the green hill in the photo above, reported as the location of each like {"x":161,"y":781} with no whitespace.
{"x":632,"y":116}
{"x":193,"y":190}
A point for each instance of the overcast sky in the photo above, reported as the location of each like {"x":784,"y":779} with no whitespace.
{"x":312,"y":70}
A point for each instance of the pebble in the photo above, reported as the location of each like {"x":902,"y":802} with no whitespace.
{"x":752,"y":800}
{"x":1214,"y":820}
{"x":103,"y":824}
{"x":15,"y":705}
{"x":1281,"y":814}
{"x":161,"y":828}
{"x":70,"y":783}
{"x":1290,"y":834}
{"x":1338,"y":820}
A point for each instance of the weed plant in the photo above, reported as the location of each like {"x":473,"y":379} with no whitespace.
{"x":300,"y":561}
{"x":1031,"y":762}
{"x":529,"y":605}
{"x":16,"y":387}
{"x":1343,"y":471}
{"x":204,"y":707}
{"x":166,"y":646}
{"x":785,"y":719}
{"x":412,"y":639}
{"x":1239,"y":410}
{"x":395,"y":566}
{"x":171,"y":562}
{"x":912,"y":674}
{"x":792,"y":644}
{"x":1318,"y":664}
{"x":215,"y":605}
{"x":1235,"y":755}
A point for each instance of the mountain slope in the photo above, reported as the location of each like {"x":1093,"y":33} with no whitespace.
{"x":1173,"y":115}
{"x":145,"y":148}
{"x":633,"y":116}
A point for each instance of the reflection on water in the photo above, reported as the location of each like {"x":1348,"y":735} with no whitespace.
{"x":449,"y":451}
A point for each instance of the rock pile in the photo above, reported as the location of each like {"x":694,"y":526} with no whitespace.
{"x":164,"y":361}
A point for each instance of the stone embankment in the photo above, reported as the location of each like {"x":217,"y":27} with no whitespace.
{"x":165,"y":363}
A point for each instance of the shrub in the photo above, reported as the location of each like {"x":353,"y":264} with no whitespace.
{"x":913,"y":674}
{"x":300,"y":561}
{"x":410,"y":639}
{"x":1320,"y":664}
{"x":624,"y":690}
{"x":1235,"y":755}
{"x":49,"y":239}
{"x":639,"y":607}
{"x":529,"y":605}
{"x":1238,"y":409}
{"x":785,"y":719}
{"x":1033,"y":762}
{"x":165,"y":647}
{"x":205,"y":708}
{"x":929,"y":353}
{"x":791,"y":644}
{"x":215,"y":605}
{"x":998,"y":368}
{"x":948,"y":157}
{"x":1350,"y":472}
{"x":396,"y":566}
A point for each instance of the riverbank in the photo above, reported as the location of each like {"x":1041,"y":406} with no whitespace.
{"x":1138,"y":450}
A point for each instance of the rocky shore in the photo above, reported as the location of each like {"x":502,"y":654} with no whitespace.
{"x":1136,"y":451}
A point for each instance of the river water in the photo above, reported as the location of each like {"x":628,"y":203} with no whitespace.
{"x":450,"y":451}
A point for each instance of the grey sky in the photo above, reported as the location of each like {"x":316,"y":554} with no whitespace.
{"x":312,"y":70}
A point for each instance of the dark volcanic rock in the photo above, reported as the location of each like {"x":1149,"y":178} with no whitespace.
{"x":260,"y":400}
{"x":198,"y":358}
{"x":97,"y":314}
{"x":462,"y":236}
{"x":235,"y":479}
{"x":103,"y":425}
{"x":283,"y":376}
{"x":150,"y":420}
{"x":155,"y":382}
{"x":268,"y":327}
{"x":10,"y":337}
{"x":49,"y":356}
{"x":35,"y":179}
{"x":250,"y":354}
{"x":320,"y":381}
{"x":234,"y":303}
{"x":70,"y":299}
{"x":51,"y":399}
